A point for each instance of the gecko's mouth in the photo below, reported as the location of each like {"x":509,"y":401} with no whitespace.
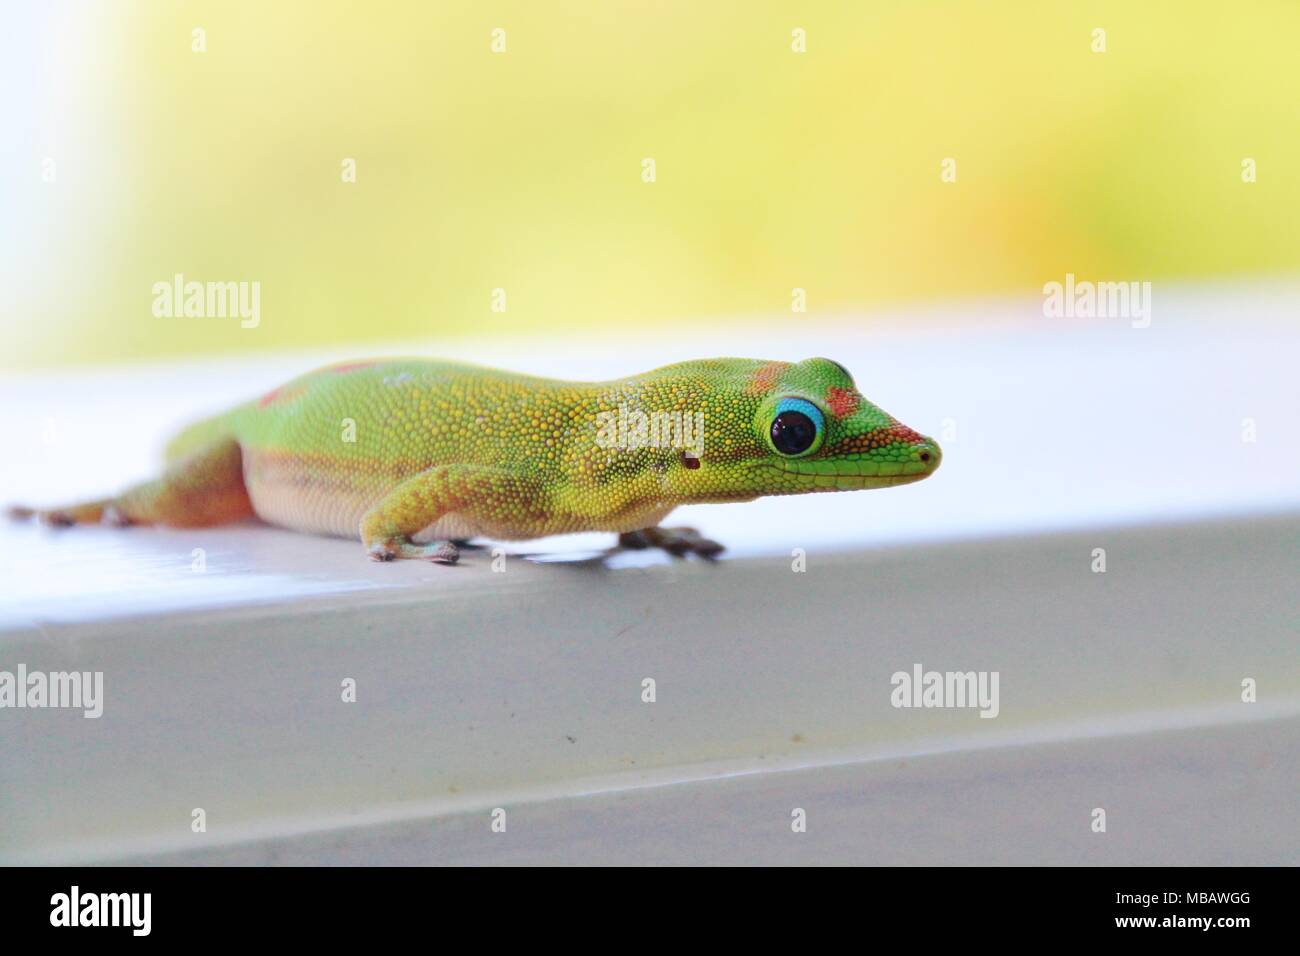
{"x":852,"y":473}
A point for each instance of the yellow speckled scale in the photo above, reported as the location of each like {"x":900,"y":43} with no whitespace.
{"x":410,"y":453}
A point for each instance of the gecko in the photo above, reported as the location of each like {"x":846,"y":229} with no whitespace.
{"x":416,"y":456}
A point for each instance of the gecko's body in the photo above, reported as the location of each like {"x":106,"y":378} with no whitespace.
{"x":408,"y":454}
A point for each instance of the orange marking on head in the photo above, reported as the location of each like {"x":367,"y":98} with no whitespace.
{"x":900,"y":432}
{"x":764,"y":378}
{"x":841,"y":401}
{"x":879,"y":438}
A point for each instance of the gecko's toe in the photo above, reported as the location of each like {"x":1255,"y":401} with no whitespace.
{"x":707,"y":548}
{"x":380,"y":552}
{"x":443,"y":553}
{"x":56,"y":519}
{"x":689,"y":541}
{"x":20,"y":513}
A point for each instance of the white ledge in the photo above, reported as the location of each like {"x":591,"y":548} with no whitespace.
{"x":523,"y":687}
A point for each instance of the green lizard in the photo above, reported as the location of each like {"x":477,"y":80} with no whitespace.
{"x":414,"y":455}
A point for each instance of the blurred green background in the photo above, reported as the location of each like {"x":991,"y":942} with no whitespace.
{"x":522,"y":170}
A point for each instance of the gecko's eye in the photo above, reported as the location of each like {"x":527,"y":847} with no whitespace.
{"x":797,"y":427}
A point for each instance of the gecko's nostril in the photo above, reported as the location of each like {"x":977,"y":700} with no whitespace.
{"x":930,"y":456}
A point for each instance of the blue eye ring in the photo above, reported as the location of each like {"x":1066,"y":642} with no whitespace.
{"x":797,"y":427}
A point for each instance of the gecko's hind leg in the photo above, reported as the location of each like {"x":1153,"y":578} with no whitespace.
{"x":200,"y":490}
{"x":678,"y":542}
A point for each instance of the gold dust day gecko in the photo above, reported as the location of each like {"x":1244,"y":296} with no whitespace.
{"x":412,"y":455}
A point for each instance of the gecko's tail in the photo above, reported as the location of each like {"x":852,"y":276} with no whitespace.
{"x":87,"y":512}
{"x":202,"y":485}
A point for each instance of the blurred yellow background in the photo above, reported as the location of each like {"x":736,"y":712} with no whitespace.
{"x":523,"y":170}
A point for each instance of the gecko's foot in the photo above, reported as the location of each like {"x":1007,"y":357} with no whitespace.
{"x":439,"y":552}
{"x":20,"y":513}
{"x":678,"y":542}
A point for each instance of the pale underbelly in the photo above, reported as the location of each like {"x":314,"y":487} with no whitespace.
{"x":285,"y":493}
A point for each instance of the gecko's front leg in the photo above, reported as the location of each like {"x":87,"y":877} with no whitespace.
{"x":476,"y":494}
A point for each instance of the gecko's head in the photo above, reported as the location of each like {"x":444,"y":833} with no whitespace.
{"x":816,"y":432}
{"x":773,"y":428}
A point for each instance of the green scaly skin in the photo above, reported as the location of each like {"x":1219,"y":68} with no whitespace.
{"x":411,"y":453}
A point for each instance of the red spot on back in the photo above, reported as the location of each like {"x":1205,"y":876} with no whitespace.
{"x":281,"y":394}
{"x":841,"y":401}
